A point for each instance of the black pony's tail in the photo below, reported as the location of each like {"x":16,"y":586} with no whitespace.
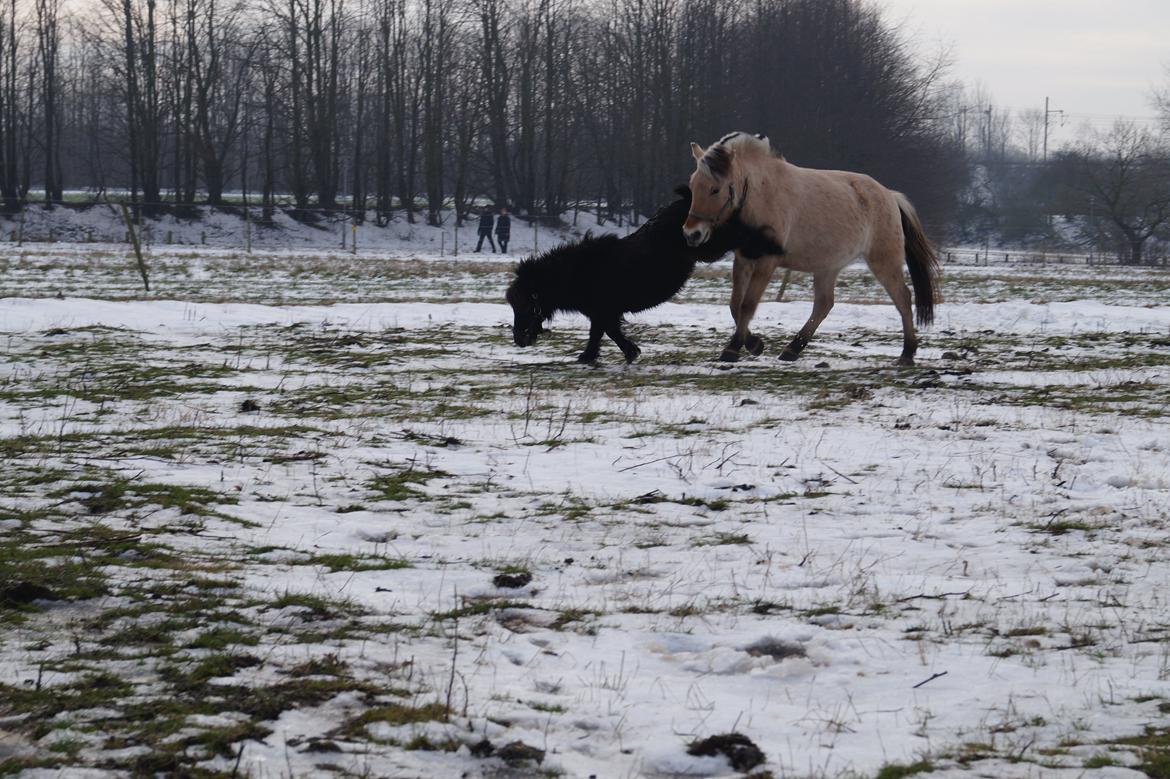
{"x":922,"y":261}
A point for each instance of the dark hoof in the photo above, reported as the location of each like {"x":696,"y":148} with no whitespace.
{"x":632,"y":354}
{"x":755,"y":345}
{"x":905,"y":362}
{"x":789,"y":356}
{"x":585,"y":358}
{"x":729,"y":355}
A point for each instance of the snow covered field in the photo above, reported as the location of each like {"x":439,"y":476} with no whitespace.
{"x":310,"y":514}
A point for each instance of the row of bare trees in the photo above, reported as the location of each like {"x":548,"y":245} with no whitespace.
{"x":1105,"y":191}
{"x":419,"y":105}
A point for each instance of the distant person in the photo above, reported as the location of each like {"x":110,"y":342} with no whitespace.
{"x":503,"y":229}
{"x":485,"y":229}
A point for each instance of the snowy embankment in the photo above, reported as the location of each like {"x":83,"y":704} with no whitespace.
{"x":430,"y":550}
{"x":227,"y":228}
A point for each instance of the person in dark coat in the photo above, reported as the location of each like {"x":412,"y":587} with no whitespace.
{"x":485,"y":230}
{"x":503,"y":229}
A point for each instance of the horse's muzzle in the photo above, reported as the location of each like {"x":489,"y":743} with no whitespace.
{"x":527,"y":336}
{"x":695,"y":237}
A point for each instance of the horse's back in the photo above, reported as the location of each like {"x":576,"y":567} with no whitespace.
{"x":832,"y":217}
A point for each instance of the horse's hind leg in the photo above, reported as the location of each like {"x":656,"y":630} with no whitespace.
{"x":823,"y":286}
{"x":593,"y":348}
{"x":887,"y":269}
{"x":630,"y":350}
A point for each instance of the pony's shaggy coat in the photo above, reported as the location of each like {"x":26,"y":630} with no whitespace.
{"x":824,"y":219}
{"x":605,"y":277}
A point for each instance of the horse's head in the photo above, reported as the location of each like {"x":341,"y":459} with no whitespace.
{"x":719,"y":184}
{"x":527,"y":315}
{"x":713,"y":195}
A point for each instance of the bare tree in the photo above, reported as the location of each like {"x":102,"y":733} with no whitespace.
{"x":1030,"y":131}
{"x":1118,"y":183}
{"x":48,"y":47}
{"x":9,"y":100}
{"x":218,"y":60}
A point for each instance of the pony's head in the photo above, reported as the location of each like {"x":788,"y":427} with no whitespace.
{"x":717,"y":187}
{"x":528,"y":316}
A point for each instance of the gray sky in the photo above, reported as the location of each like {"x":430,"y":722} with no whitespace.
{"x":1094,"y":58}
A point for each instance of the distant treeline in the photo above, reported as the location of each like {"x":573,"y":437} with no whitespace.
{"x":385,"y":104}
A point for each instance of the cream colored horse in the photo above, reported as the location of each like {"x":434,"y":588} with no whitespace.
{"x":824,"y":220}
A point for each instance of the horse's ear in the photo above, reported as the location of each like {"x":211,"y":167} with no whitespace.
{"x":696,"y":151}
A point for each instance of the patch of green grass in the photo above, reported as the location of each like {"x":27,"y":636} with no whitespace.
{"x":32,"y":571}
{"x":399,"y":486}
{"x":1036,"y":630}
{"x":222,"y":740}
{"x":193,"y":678}
{"x":220,"y":637}
{"x":394,"y":714}
{"x":1058,"y":527}
{"x":715,"y":504}
{"x":357,"y":563}
{"x":478,"y":608}
{"x":420,"y":742}
{"x":88,"y":691}
{"x":722,"y":539}
{"x":326,"y":665}
{"x":899,"y":770}
{"x":1100,"y":760}
{"x":318,"y":607}
{"x":123,"y":494}
{"x":1153,"y":748}
{"x":568,"y":617}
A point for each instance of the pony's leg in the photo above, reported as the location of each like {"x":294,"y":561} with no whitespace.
{"x":823,"y":284}
{"x":762,"y":271}
{"x":741,"y":273}
{"x":629,"y":349}
{"x":593,"y":348}
{"x":887,"y":269}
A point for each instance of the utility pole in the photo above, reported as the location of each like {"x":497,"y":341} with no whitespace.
{"x":987,"y":142}
{"x":1047,"y":112}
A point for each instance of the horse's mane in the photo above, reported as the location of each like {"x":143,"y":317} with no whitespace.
{"x":532,"y":269}
{"x":717,"y":159}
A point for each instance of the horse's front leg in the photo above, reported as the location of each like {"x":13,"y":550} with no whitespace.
{"x":823,"y":286}
{"x":760,"y":273}
{"x":613,"y":329}
{"x":593,"y":348}
{"x":741,"y":274}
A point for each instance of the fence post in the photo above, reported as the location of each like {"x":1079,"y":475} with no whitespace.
{"x":455,"y":250}
{"x":248,"y":228}
{"x":137,"y":246}
{"x":442,"y":243}
{"x":535,"y":238}
{"x":354,"y":238}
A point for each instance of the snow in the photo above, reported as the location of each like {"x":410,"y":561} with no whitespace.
{"x":875,"y":607}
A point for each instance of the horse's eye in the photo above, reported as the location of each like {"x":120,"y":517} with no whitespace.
{"x":715,"y":191}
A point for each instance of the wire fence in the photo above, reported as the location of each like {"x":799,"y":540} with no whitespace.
{"x":253,"y":227}
{"x":287,"y":226}
{"x":966,"y":256}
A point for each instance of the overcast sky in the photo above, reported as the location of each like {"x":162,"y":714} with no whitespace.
{"x":1093,"y":58}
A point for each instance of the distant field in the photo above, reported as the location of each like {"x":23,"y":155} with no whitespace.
{"x":312,"y":514}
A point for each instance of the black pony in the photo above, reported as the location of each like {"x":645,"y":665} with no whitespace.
{"x":606,"y":276}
